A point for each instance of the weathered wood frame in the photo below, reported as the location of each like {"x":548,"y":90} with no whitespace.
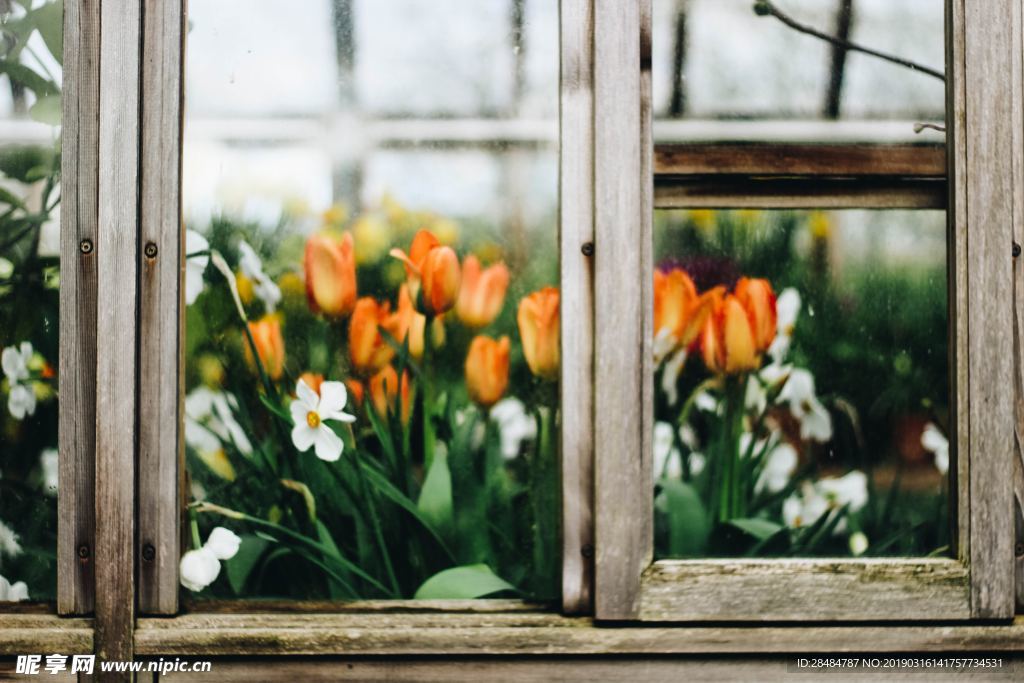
{"x":979,"y":582}
{"x":976,"y":586}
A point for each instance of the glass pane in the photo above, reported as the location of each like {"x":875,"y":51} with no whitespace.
{"x":30,"y":112}
{"x":722,"y":59}
{"x":802,"y":400}
{"x":379,"y":182}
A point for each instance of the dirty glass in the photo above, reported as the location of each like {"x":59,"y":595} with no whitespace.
{"x":371,"y":355}
{"x":30,"y":115}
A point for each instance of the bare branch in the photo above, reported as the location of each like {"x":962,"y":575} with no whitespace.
{"x":768,"y":8}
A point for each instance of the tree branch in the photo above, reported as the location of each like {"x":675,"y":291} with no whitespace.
{"x":767,"y":8}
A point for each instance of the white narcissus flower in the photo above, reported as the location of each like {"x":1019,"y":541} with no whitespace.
{"x":858,"y":543}
{"x":21,"y":402}
{"x":851,"y":490}
{"x":195,"y":266}
{"x":515,"y":425}
{"x":787,"y":307}
{"x":198,"y":569}
{"x":14,"y":360}
{"x":311,"y":411}
{"x":934,"y":441}
{"x":201,"y":567}
{"x":223,"y":543}
{"x":798,"y":392}
{"x":779,"y":466}
{"x":209,"y":420}
{"x":12,"y":592}
{"x":49,"y":465}
{"x":804,"y":508}
{"x":252,"y":267}
{"x":9,"y":541}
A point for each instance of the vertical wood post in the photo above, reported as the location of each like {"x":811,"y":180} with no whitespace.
{"x":161,"y":466}
{"x":117,"y":254}
{"x":983,"y":115}
{"x":576,"y":241}
{"x":622,"y":482}
{"x":77,"y":406}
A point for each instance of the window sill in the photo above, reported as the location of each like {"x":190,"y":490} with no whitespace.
{"x":535,"y":633}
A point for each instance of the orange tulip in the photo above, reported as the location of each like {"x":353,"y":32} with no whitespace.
{"x":758,"y":299}
{"x":727,"y":340}
{"x":487,"y":369}
{"x":356,"y":390}
{"x":313,"y":380}
{"x":679,"y":313}
{"x":435,"y":268}
{"x":482,"y":294}
{"x":538,"y":328}
{"x":367,"y":349}
{"x":441,"y":280}
{"x":266,"y":334}
{"x":331,"y":274}
{"x":384,"y":392}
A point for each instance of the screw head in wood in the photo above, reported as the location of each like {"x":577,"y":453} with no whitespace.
{"x":587,"y":551}
{"x":1015,"y":250}
{"x":148,"y":552}
{"x":150,"y":250}
{"x":1018,"y":550}
{"x":587,"y":248}
{"x":85,"y":246}
{"x":83,"y":552}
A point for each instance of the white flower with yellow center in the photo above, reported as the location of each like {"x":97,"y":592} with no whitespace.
{"x":311,"y":411}
{"x":252,"y":267}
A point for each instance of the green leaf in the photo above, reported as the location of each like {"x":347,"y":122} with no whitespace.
{"x":756,"y":527}
{"x":50,"y":22}
{"x":336,"y":589}
{"x":47,"y":109}
{"x":240,"y":566}
{"x":274,"y":408}
{"x":8,"y":197}
{"x":391,"y":492}
{"x":688,"y":523}
{"x":462,"y":583}
{"x":435,"y":503}
{"x":26,"y":163}
{"x":23,"y":75}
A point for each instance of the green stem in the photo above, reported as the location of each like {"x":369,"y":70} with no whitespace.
{"x":197,"y":542}
{"x":429,"y":437}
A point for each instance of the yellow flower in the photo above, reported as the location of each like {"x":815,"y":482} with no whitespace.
{"x":703,"y":219}
{"x":820,"y":225}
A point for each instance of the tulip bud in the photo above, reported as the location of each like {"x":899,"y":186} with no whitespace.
{"x":441,"y":278}
{"x":331,"y":274}
{"x":313,"y":380}
{"x":384,"y":392}
{"x":727,"y":340}
{"x":367,"y":349}
{"x":758,"y":299}
{"x":487,"y":369}
{"x":482,"y":293}
{"x":539,"y":330}
{"x":266,"y":335}
{"x":679,"y":313}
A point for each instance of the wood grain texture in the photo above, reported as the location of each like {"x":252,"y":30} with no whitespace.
{"x":541,"y":634}
{"x":646,"y":247}
{"x":894,"y":160}
{"x":77,"y":377}
{"x":161,"y":458}
{"x":777,"y":192}
{"x":1018,"y":300}
{"x":621,"y":491}
{"x":765,"y":669}
{"x":117,"y":253}
{"x":805,"y":590}
{"x":988,"y":139}
{"x":576,"y":223}
{"x":24,"y":634}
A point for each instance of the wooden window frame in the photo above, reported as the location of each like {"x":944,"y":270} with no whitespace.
{"x":978,"y":583}
{"x":121,"y":179}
